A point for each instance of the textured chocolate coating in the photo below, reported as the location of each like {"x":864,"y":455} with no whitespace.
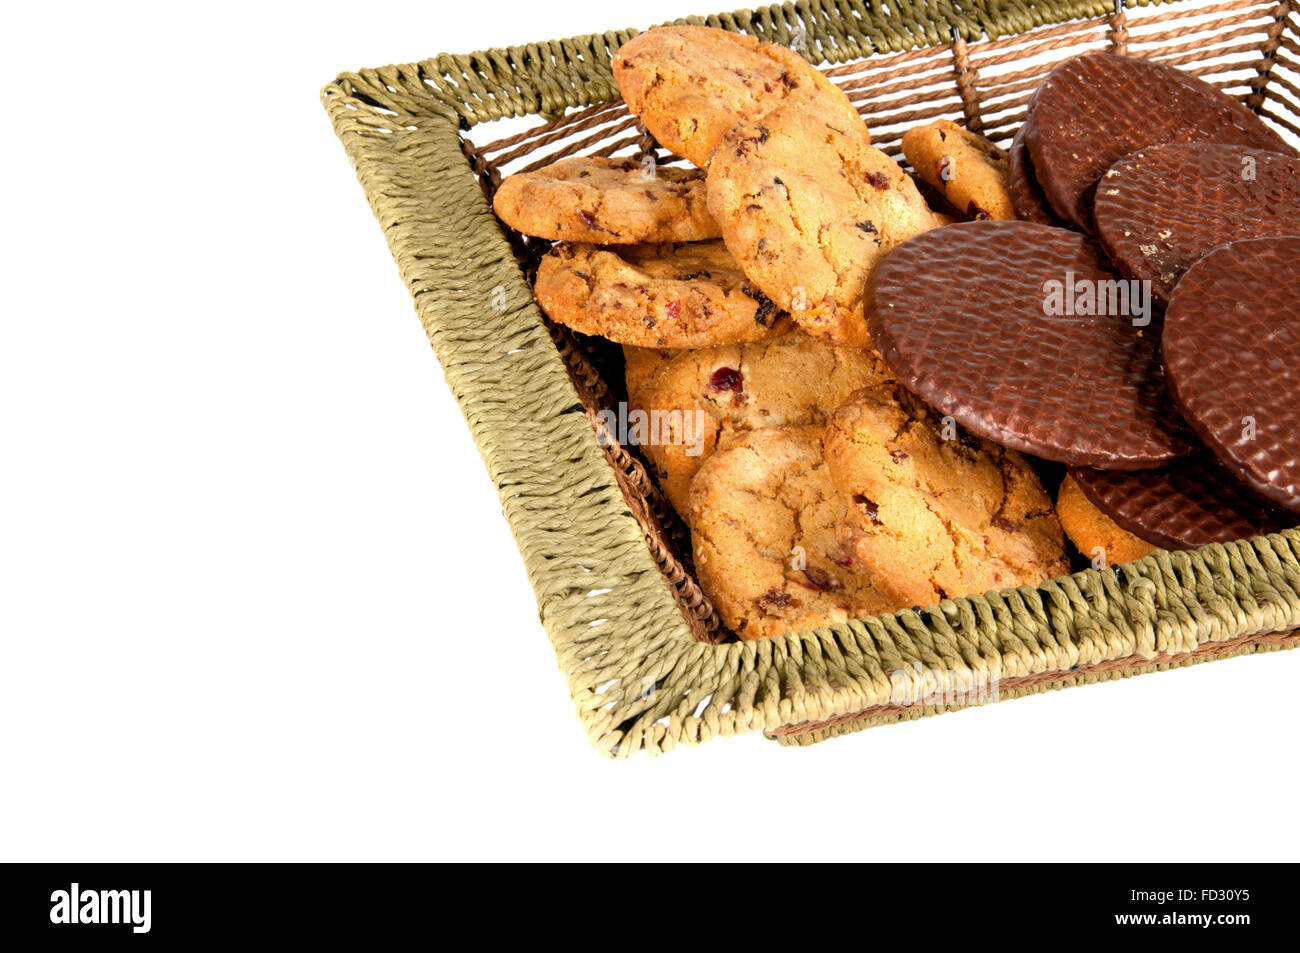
{"x":1187,"y":504}
{"x":1162,"y":209}
{"x":1095,"y":109}
{"x":1027,"y":196}
{"x":1232,"y":355}
{"x":959,"y":314}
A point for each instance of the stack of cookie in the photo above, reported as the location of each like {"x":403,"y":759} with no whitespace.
{"x":837,"y":357}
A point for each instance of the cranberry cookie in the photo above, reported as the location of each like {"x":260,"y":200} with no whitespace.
{"x":967,"y":169}
{"x":658,"y":296}
{"x":731,"y":390}
{"x":935,"y":512}
{"x":640,"y":365}
{"x":765,"y":520}
{"x":607,"y":202}
{"x":807,"y":207}
{"x":690,"y":84}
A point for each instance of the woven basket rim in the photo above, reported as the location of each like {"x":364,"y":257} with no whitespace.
{"x":468,"y":88}
{"x":638,"y":678}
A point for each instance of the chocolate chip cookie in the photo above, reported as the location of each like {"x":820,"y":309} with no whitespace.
{"x":607,"y":202}
{"x":765,"y":520}
{"x":935,"y":512}
{"x":658,"y":296}
{"x":808,"y":207}
{"x":967,"y":169}
{"x":731,"y":390}
{"x":690,"y":84}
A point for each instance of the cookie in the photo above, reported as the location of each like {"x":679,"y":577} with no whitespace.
{"x":690,"y":84}
{"x":933,"y":518}
{"x":656,"y":296}
{"x":640,"y":365}
{"x":1162,"y":209}
{"x":1096,"y":108}
{"x":1232,"y":355}
{"x":1027,"y":196}
{"x":765,"y":521}
{"x":1095,"y":534}
{"x":707,"y":399}
{"x":1188,"y":504}
{"x":1026,"y":335}
{"x":967,"y":169}
{"x":607,"y":202}
{"x":807,"y":209}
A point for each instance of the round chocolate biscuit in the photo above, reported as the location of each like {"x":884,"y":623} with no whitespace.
{"x":1162,"y":209}
{"x":1027,"y":196}
{"x":1097,"y":108}
{"x":1187,"y":504}
{"x":989,"y":323}
{"x":1232,"y":356}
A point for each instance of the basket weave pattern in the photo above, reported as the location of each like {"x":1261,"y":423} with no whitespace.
{"x":636,"y":639}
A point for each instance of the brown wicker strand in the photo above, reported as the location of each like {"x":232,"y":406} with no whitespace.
{"x":1264,"y":68}
{"x":967,"y":78}
{"x":1119,"y":29}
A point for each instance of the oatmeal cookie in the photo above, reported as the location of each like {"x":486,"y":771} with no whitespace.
{"x":690,"y":84}
{"x":765,"y":522}
{"x":607,"y":202}
{"x":657,"y":296}
{"x":933,"y":518}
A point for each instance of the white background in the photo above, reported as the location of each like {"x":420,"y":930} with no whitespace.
{"x":259,"y":600}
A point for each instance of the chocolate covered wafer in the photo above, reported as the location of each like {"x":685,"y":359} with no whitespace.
{"x":1232,"y":356}
{"x":1160,"y":210}
{"x":1025,"y":335}
{"x":1027,"y":196}
{"x":1184,"y":505}
{"x":1095,"y":109}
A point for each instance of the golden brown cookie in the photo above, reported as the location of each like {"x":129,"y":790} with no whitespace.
{"x":807,"y":208}
{"x":659,"y":296}
{"x":765,"y":521}
{"x":933,"y":518}
{"x":967,"y":169}
{"x":690,"y":84}
{"x":719,"y":394}
{"x":640,"y":365}
{"x":607,"y":202}
{"x":1096,"y":535}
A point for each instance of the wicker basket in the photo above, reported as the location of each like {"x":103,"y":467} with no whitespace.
{"x":646,"y":660}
